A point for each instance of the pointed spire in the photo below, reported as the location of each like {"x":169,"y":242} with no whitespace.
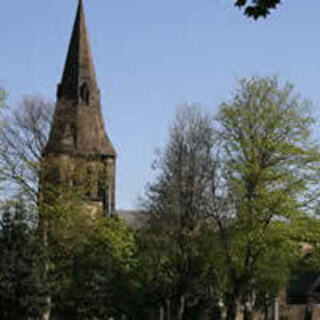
{"x":79,"y":67}
{"x":78,"y":126}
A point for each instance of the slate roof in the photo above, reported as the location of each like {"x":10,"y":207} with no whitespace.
{"x":135,"y":219}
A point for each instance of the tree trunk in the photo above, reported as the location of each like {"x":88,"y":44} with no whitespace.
{"x":182,"y":307}
{"x":44,"y":231}
{"x":266,"y":312}
{"x":275,"y":309}
{"x":247,"y":313}
{"x":308,"y":313}
{"x":168,"y":307}
{"x":161,"y":313}
{"x":231,"y":310}
{"x":47,"y":312}
{"x":216,"y":312}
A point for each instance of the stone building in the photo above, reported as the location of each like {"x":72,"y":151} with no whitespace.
{"x":79,"y":151}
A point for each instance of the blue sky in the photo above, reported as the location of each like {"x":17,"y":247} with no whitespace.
{"x":152,"y":56}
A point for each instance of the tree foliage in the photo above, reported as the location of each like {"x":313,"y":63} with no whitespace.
{"x":234,"y":197}
{"x":85,"y":266}
{"x":257,"y":8}
{"x":23,"y":136}
{"x":231,"y":198}
{"x":178,"y":201}
{"x":273,"y":168}
{"x":22,"y":289}
{"x":89,"y":261}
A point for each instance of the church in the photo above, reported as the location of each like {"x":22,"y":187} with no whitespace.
{"x":78,"y":140}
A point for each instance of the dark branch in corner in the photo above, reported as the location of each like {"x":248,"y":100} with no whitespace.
{"x":257,"y":8}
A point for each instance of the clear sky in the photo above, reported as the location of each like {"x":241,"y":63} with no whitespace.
{"x":151,"y":56}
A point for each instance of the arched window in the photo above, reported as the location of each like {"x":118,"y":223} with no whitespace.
{"x":85,"y":93}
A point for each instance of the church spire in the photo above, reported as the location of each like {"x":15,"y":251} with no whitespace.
{"x":79,"y":151}
{"x":78,"y":126}
{"x":79,"y":72}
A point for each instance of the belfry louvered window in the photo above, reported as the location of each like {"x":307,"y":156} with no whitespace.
{"x":85,"y":93}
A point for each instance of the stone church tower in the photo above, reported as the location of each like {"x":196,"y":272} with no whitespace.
{"x":79,"y":151}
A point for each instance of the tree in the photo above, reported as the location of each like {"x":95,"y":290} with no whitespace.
{"x":92,"y":262}
{"x":23,"y":135}
{"x":22,"y":290}
{"x":77,"y":248}
{"x":177,"y":252}
{"x":273,"y":169}
{"x":89,"y":263}
{"x":257,"y":8}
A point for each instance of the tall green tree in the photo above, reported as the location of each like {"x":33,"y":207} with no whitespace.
{"x":177,"y":203}
{"x":89,"y":260}
{"x":273,"y":170}
{"x":22,"y":289}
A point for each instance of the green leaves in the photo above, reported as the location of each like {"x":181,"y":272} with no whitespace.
{"x":266,"y":130}
{"x":90,"y":258}
{"x":176,"y":250}
{"x":272,"y":165}
{"x":257,"y":195}
{"x":22,"y":289}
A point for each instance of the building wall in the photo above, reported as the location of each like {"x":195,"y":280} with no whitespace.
{"x":93,"y":180}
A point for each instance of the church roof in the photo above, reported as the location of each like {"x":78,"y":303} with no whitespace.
{"x":133,"y":218}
